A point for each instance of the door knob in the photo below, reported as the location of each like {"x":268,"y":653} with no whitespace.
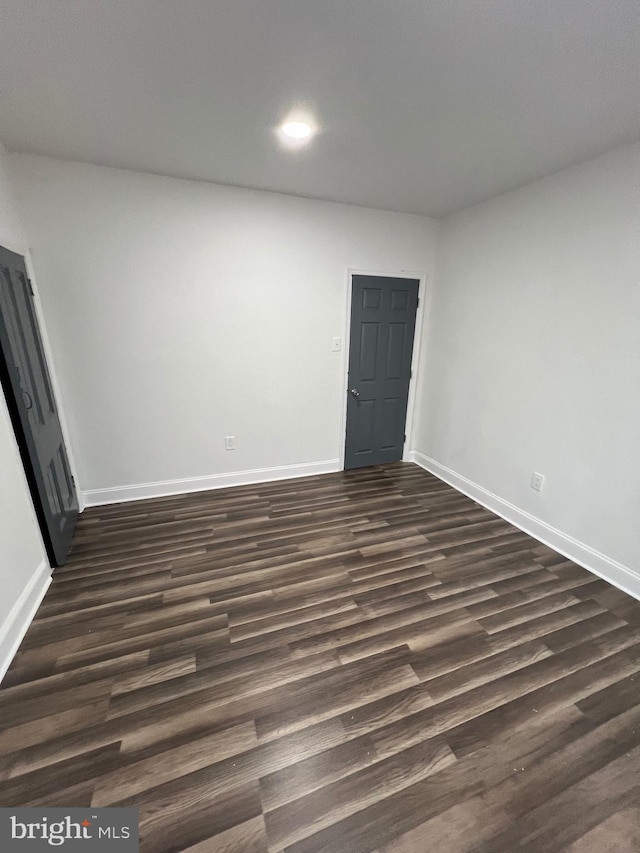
{"x":354,"y":392}
{"x":28,"y":400}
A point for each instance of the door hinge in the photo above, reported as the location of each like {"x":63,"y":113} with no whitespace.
{"x":418,"y":302}
{"x":30,"y":287}
{"x":404,"y":438}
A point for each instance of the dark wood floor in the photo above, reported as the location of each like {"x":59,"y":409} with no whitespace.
{"x":354,"y":662}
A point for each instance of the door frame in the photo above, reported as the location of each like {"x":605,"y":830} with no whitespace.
{"x":415,"y":356}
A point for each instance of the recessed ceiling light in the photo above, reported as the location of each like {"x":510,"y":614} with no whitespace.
{"x":297,"y":129}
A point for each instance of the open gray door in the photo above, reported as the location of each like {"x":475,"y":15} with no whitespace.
{"x":31,"y":403}
{"x":383,"y":319}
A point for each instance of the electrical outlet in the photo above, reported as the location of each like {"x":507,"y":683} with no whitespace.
{"x":537,"y":481}
{"x":229,"y":442}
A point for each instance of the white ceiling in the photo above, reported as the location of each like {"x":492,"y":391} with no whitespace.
{"x":424,"y":105}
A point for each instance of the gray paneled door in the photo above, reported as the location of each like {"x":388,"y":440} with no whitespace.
{"x":383,"y":319}
{"x":32,"y":406}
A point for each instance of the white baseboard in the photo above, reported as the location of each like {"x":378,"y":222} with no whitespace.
{"x":164,"y":488}
{"x":15,"y":625}
{"x":610,"y":570}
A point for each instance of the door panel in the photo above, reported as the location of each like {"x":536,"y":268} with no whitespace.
{"x":367,"y":362}
{"x":27,"y":387}
{"x":395,"y":350}
{"x":392,"y":422}
{"x":383,"y":317}
{"x":364,"y":426}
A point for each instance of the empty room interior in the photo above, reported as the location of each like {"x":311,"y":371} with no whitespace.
{"x":319,"y":425}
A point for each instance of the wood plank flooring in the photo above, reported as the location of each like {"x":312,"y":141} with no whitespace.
{"x":365,"y":661}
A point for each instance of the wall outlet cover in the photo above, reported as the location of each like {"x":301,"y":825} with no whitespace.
{"x":537,"y":481}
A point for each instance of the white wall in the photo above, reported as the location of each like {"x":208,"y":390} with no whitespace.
{"x":180,"y":312}
{"x":532,"y":360}
{"x":24,"y":570}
